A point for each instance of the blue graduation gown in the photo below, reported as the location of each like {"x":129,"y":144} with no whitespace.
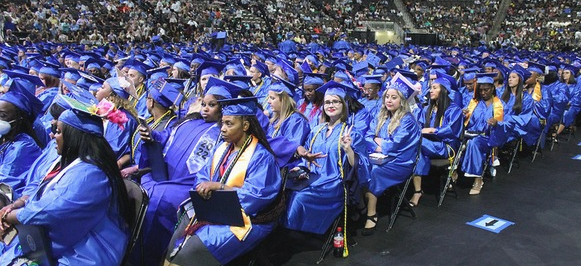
{"x":294,"y":129}
{"x":515,"y":125}
{"x":360,"y":121}
{"x":261,"y":91}
{"x":16,"y":157}
{"x":81,"y":217}
{"x":141,"y":106}
{"x":314,"y":207}
{"x":310,"y":111}
{"x":401,"y":147}
{"x":261,"y":186}
{"x":447,"y":136}
{"x":187,"y":147}
{"x":574,"y":104}
{"x":541,"y":112}
{"x":479,"y":147}
{"x":120,"y":139}
{"x":372,"y":106}
{"x":47,"y":96}
{"x":560,"y":93}
{"x":40,"y":168}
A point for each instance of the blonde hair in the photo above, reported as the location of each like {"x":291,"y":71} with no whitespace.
{"x":121,"y":103}
{"x":287,"y":107}
{"x":396,"y":117}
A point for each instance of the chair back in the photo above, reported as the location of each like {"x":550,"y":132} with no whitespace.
{"x":138,"y":202}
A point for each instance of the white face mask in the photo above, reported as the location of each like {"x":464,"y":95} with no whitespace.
{"x":5,"y":127}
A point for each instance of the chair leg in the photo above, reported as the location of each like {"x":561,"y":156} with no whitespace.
{"x":401,"y":199}
{"x":327,"y":245}
{"x":537,"y":148}
{"x":514,"y":154}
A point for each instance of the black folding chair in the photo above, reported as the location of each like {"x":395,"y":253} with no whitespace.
{"x":138,"y":202}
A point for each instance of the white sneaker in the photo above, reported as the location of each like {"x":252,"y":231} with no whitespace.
{"x":470,"y":175}
{"x":496,"y":162}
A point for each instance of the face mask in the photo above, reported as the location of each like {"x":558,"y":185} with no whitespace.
{"x":5,"y":127}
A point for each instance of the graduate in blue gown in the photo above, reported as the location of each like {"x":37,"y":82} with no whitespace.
{"x":336,"y":176}
{"x":187,"y":147}
{"x":542,"y":101}
{"x":574,"y":103}
{"x":372,"y":99}
{"x":260,"y":81}
{"x":119,"y":137}
{"x":83,"y":205}
{"x":442,"y":125}
{"x":312,"y":102}
{"x":18,"y":144}
{"x":481,"y":117}
{"x":518,"y":105}
{"x":395,"y":133}
{"x":286,"y":121}
{"x":243,"y":163}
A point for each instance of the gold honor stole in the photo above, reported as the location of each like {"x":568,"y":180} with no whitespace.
{"x":236,"y":179}
{"x":498,"y":110}
{"x":537,"y":94}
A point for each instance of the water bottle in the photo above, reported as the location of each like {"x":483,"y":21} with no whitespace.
{"x":338,"y":243}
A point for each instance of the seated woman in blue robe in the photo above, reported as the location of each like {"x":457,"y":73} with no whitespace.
{"x":559,"y":95}
{"x":518,"y":105}
{"x":396,"y":134}
{"x":194,"y":95}
{"x":336,"y":176}
{"x":186,"y":148}
{"x":83,"y":204}
{"x":286,"y":121}
{"x":119,"y":136}
{"x":18,"y":143}
{"x":371,"y":99}
{"x":542,"y":101}
{"x":574,"y":101}
{"x":481,"y":117}
{"x":442,"y":126}
{"x":312,"y":102}
{"x":243,"y":163}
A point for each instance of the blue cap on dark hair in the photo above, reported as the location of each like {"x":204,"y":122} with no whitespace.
{"x":239,"y":106}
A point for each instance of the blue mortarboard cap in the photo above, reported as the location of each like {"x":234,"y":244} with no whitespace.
{"x":470,"y":73}
{"x":182,"y":65}
{"x":573,"y":69}
{"x":95,"y":87}
{"x":49,"y":70}
{"x":313,"y":79}
{"x":241,"y":81}
{"x":342,"y":75}
{"x":312,"y":59}
{"x":339,"y":89}
{"x":138,"y":66}
{"x":372,"y":79}
{"x":490,"y":64}
{"x":169,"y":60}
{"x":27,"y":81}
{"x":5,"y":62}
{"x":72,"y":56}
{"x":262,"y":68}
{"x":79,"y":94}
{"x":281,"y":85}
{"x":92,"y":63}
{"x":453,"y":82}
{"x":360,"y":68}
{"x":408,"y":74}
{"x":223,"y":88}
{"x":485,"y":78}
{"x":23,"y":99}
{"x":165,"y":95}
{"x":117,"y":85}
{"x":402,"y":84}
{"x":444,"y":82}
{"x":239,"y":106}
{"x":305,"y":67}
{"x":153,"y":71}
{"x":342,"y":65}
{"x":20,"y":69}
{"x":81,"y":118}
{"x":522,"y":72}
{"x":538,"y":68}
{"x":70,"y":73}
{"x":209,"y":68}
{"x":291,"y":73}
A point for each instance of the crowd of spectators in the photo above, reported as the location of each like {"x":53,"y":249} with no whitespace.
{"x":535,"y":24}
{"x":542,"y":24}
{"x":463,"y":23}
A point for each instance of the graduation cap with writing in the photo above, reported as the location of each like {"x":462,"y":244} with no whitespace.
{"x":209,"y":68}
{"x":223,"y":88}
{"x":246,"y":106}
{"x":404,"y":85}
{"x":23,"y":99}
{"x":485,"y":78}
{"x":82,"y":117}
{"x":339,"y":89}
{"x":79,"y":94}
{"x":281,"y":85}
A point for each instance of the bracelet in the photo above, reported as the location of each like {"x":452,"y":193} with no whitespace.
{"x":222,"y":187}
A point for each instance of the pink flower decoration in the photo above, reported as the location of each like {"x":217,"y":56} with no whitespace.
{"x":118,"y":117}
{"x":105,"y":107}
{"x":107,"y":110}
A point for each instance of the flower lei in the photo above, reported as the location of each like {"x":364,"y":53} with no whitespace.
{"x":107,"y":110}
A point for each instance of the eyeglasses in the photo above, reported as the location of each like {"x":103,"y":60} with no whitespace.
{"x":333,"y":102}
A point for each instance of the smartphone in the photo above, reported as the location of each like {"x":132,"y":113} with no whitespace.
{"x":9,"y":235}
{"x":142,"y":121}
